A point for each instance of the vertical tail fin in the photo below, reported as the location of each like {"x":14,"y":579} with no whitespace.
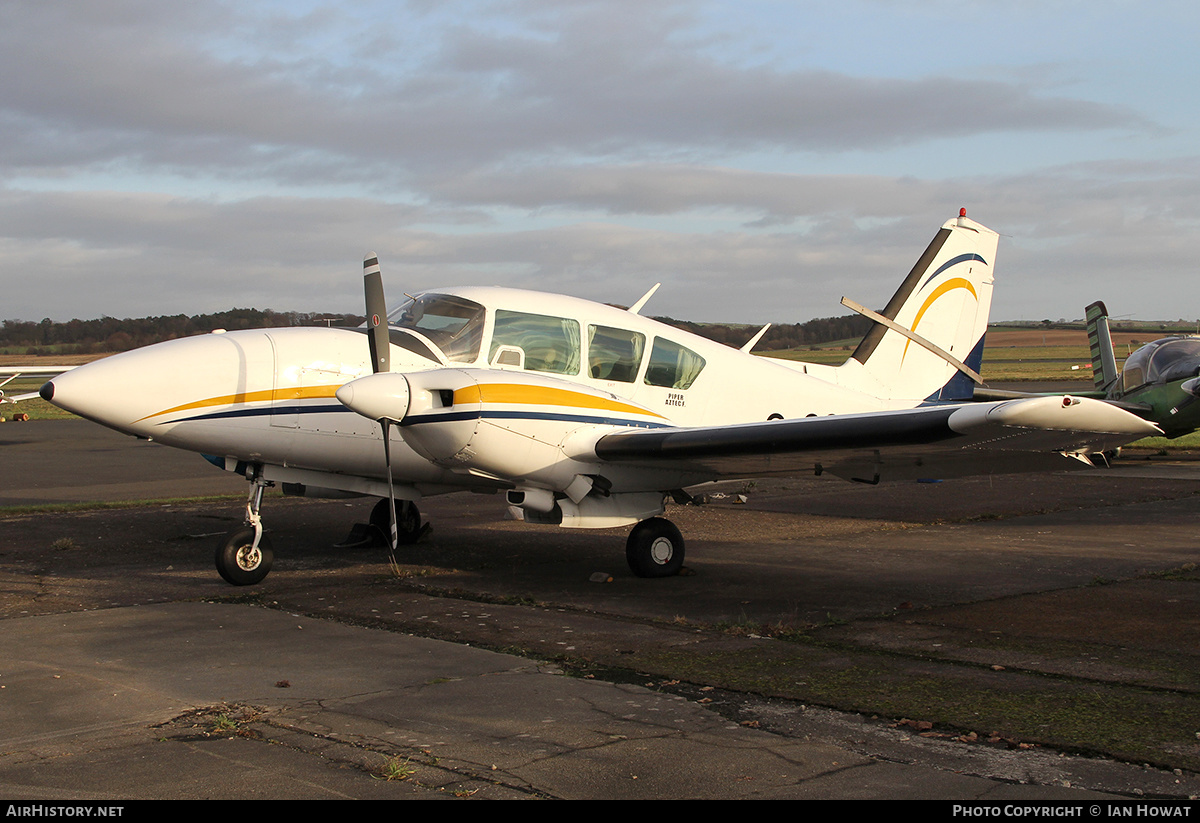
{"x":1104,"y":361}
{"x":928,"y":343}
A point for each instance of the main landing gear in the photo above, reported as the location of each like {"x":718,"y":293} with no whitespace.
{"x":655,"y":548}
{"x":409,"y":528}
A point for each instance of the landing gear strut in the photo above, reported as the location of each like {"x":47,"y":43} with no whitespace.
{"x":655,"y":548}
{"x":244,"y":557}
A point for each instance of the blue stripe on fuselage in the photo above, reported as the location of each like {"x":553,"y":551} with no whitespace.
{"x":444,"y":417}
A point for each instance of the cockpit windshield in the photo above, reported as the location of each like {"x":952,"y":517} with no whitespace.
{"x":1169,"y":359}
{"x":453,"y":324}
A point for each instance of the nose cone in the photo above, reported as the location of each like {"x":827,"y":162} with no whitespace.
{"x":149,"y":391}
{"x":112,"y":391}
{"x":377,"y":396}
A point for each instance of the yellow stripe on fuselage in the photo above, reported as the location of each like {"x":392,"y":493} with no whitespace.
{"x":515,"y":393}
{"x":264,"y":396}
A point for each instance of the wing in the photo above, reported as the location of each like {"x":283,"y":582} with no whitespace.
{"x":1033,"y":434}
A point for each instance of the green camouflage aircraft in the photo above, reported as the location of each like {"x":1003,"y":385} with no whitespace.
{"x":1159,"y":382}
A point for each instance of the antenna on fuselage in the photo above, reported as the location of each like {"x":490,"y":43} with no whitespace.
{"x":753,"y":340}
{"x":637,"y":307}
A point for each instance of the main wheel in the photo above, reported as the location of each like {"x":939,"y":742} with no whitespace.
{"x":655,"y":548}
{"x":408,"y":520}
{"x":241,"y":565}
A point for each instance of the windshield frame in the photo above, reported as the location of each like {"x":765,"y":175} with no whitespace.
{"x":453,"y":324}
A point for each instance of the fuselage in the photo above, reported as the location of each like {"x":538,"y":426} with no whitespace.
{"x":267,"y":397}
{"x":1162,"y":377}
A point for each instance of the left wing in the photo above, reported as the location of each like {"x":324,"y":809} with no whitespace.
{"x":1033,"y":434}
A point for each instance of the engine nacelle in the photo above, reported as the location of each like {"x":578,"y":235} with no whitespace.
{"x":510,"y":425}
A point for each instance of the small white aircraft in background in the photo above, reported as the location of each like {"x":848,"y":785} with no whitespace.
{"x":11,"y":373}
{"x":585,"y":415}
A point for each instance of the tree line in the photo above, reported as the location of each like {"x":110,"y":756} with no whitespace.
{"x":108,"y":334}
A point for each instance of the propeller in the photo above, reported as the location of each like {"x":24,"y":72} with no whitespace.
{"x":381,"y":363}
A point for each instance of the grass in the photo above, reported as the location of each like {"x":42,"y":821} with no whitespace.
{"x":1121,"y":720}
{"x":36,"y":408}
{"x":1184,"y":443}
{"x":395,"y":768}
{"x":57,"y":508}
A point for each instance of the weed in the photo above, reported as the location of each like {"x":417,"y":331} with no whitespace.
{"x":395,"y":769}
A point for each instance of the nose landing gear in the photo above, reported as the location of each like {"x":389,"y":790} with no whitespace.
{"x":244,"y":557}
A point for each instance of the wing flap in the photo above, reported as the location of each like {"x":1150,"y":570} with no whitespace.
{"x":1033,"y":434}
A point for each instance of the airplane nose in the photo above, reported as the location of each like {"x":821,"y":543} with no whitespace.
{"x":147,"y":392}
{"x":100,"y":391}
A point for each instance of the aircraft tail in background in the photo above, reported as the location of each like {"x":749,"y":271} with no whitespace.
{"x":1104,"y":362}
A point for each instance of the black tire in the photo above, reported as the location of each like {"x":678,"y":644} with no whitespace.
{"x":237,"y":565}
{"x":655,"y":548}
{"x":408,"y":521}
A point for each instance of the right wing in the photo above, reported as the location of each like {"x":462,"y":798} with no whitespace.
{"x":1033,"y":434}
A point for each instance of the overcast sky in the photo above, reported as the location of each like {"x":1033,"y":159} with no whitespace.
{"x":761,"y":158}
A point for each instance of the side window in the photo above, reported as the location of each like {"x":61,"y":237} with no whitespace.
{"x":672,"y":366}
{"x":1132,"y":378}
{"x":614,"y":354}
{"x":551,"y":344}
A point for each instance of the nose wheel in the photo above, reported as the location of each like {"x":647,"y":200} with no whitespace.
{"x":655,"y":548}
{"x":241,"y":562}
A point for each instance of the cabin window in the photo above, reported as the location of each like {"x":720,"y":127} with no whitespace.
{"x":672,"y":366}
{"x":551,"y":344}
{"x":1174,"y":360}
{"x":614,"y":354}
{"x":452,"y":324}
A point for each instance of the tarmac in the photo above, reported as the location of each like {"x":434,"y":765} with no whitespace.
{"x":128,"y":672}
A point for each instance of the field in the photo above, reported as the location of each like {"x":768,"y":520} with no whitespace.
{"x":1010,"y":355}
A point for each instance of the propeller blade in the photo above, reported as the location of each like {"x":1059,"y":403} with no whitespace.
{"x":377,"y":325}
{"x":387,"y":459}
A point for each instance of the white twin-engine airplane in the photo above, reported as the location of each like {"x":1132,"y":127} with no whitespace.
{"x":585,"y":415}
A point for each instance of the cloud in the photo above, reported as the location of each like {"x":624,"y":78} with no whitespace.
{"x":150,"y":90}
{"x":164,"y":158}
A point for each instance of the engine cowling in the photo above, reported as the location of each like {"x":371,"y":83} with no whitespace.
{"x":504,"y":424}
